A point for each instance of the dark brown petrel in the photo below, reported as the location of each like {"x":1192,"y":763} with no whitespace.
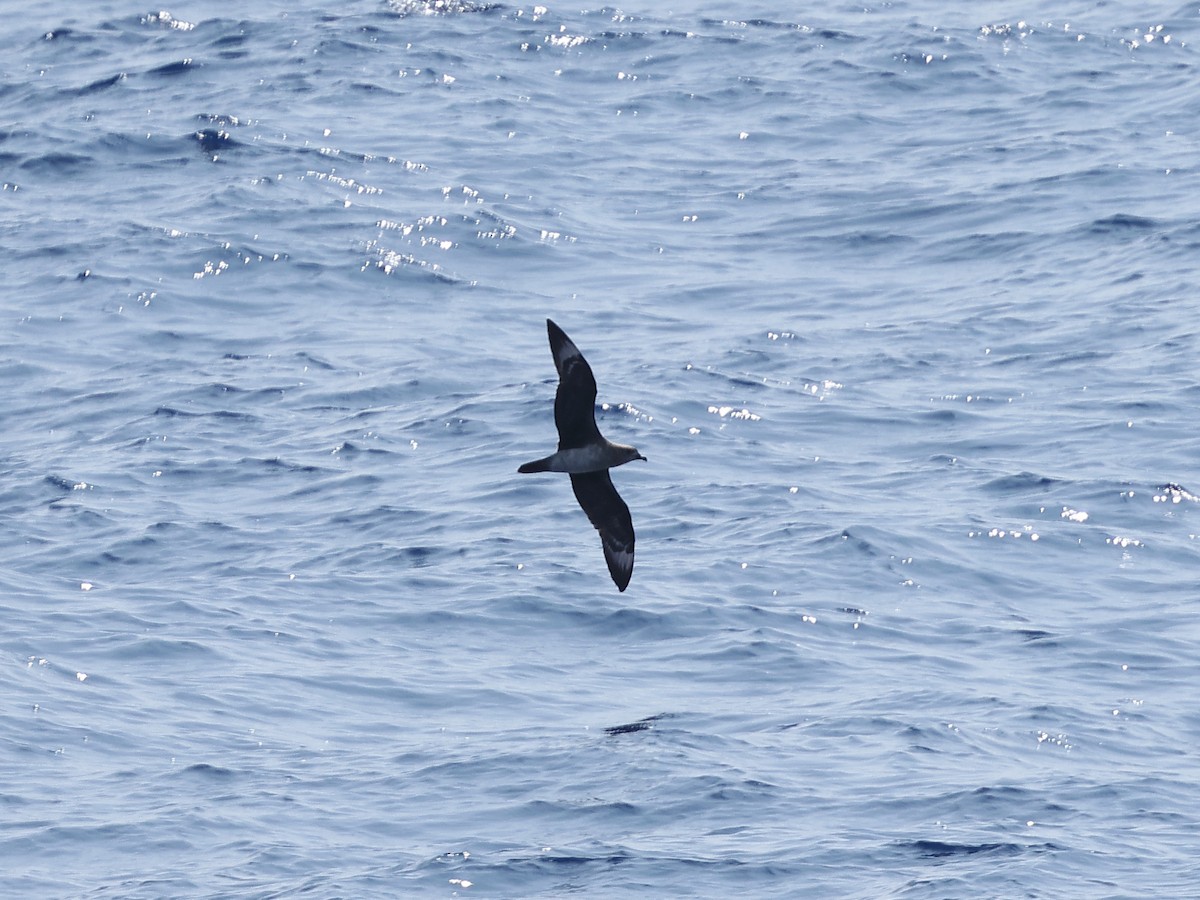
{"x":586,"y":456}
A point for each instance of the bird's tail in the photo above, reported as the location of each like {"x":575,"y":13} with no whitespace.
{"x":538,"y":465}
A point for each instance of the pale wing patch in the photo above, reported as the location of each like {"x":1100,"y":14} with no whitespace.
{"x":619,"y":557}
{"x":566,"y":352}
{"x":610,"y":516}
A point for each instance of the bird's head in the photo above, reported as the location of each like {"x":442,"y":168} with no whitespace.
{"x":628,"y":454}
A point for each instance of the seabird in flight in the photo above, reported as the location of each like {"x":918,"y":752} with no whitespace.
{"x":586,"y":456}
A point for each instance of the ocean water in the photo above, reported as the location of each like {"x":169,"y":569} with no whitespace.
{"x":899,"y":301}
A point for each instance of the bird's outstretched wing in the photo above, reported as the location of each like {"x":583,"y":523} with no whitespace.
{"x":610,"y":516}
{"x":575,"y":402}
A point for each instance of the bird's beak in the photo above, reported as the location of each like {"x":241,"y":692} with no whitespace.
{"x":642,"y":458}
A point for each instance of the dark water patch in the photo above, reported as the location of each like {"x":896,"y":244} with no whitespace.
{"x":1034,"y":635}
{"x":942,"y":849}
{"x":645,"y":724}
{"x":1123,"y":222}
{"x":214,"y":140}
{"x":230,"y":44}
{"x":65,"y":485}
{"x":420,"y":557}
{"x":973,"y":248}
{"x":221,"y":388}
{"x":276,"y":464}
{"x":209,"y":772}
{"x":173,"y":69}
{"x":869,"y":240}
{"x":938,"y":416}
{"x":373,"y":452}
{"x":349,"y":450}
{"x":346,"y":47}
{"x":370,"y":87}
{"x":101,"y":84}
{"x":627,"y":622}
{"x":315,"y":361}
{"x":944,"y":459}
{"x":155,"y":648}
{"x":172,"y":412}
{"x":1075,"y":357}
{"x":57,"y":163}
{"x":1146,"y":408}
{"x":1022,"y":482}
{"x":854,"y":540}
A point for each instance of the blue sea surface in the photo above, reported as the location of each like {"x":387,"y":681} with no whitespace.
{"x":900,"y":302}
